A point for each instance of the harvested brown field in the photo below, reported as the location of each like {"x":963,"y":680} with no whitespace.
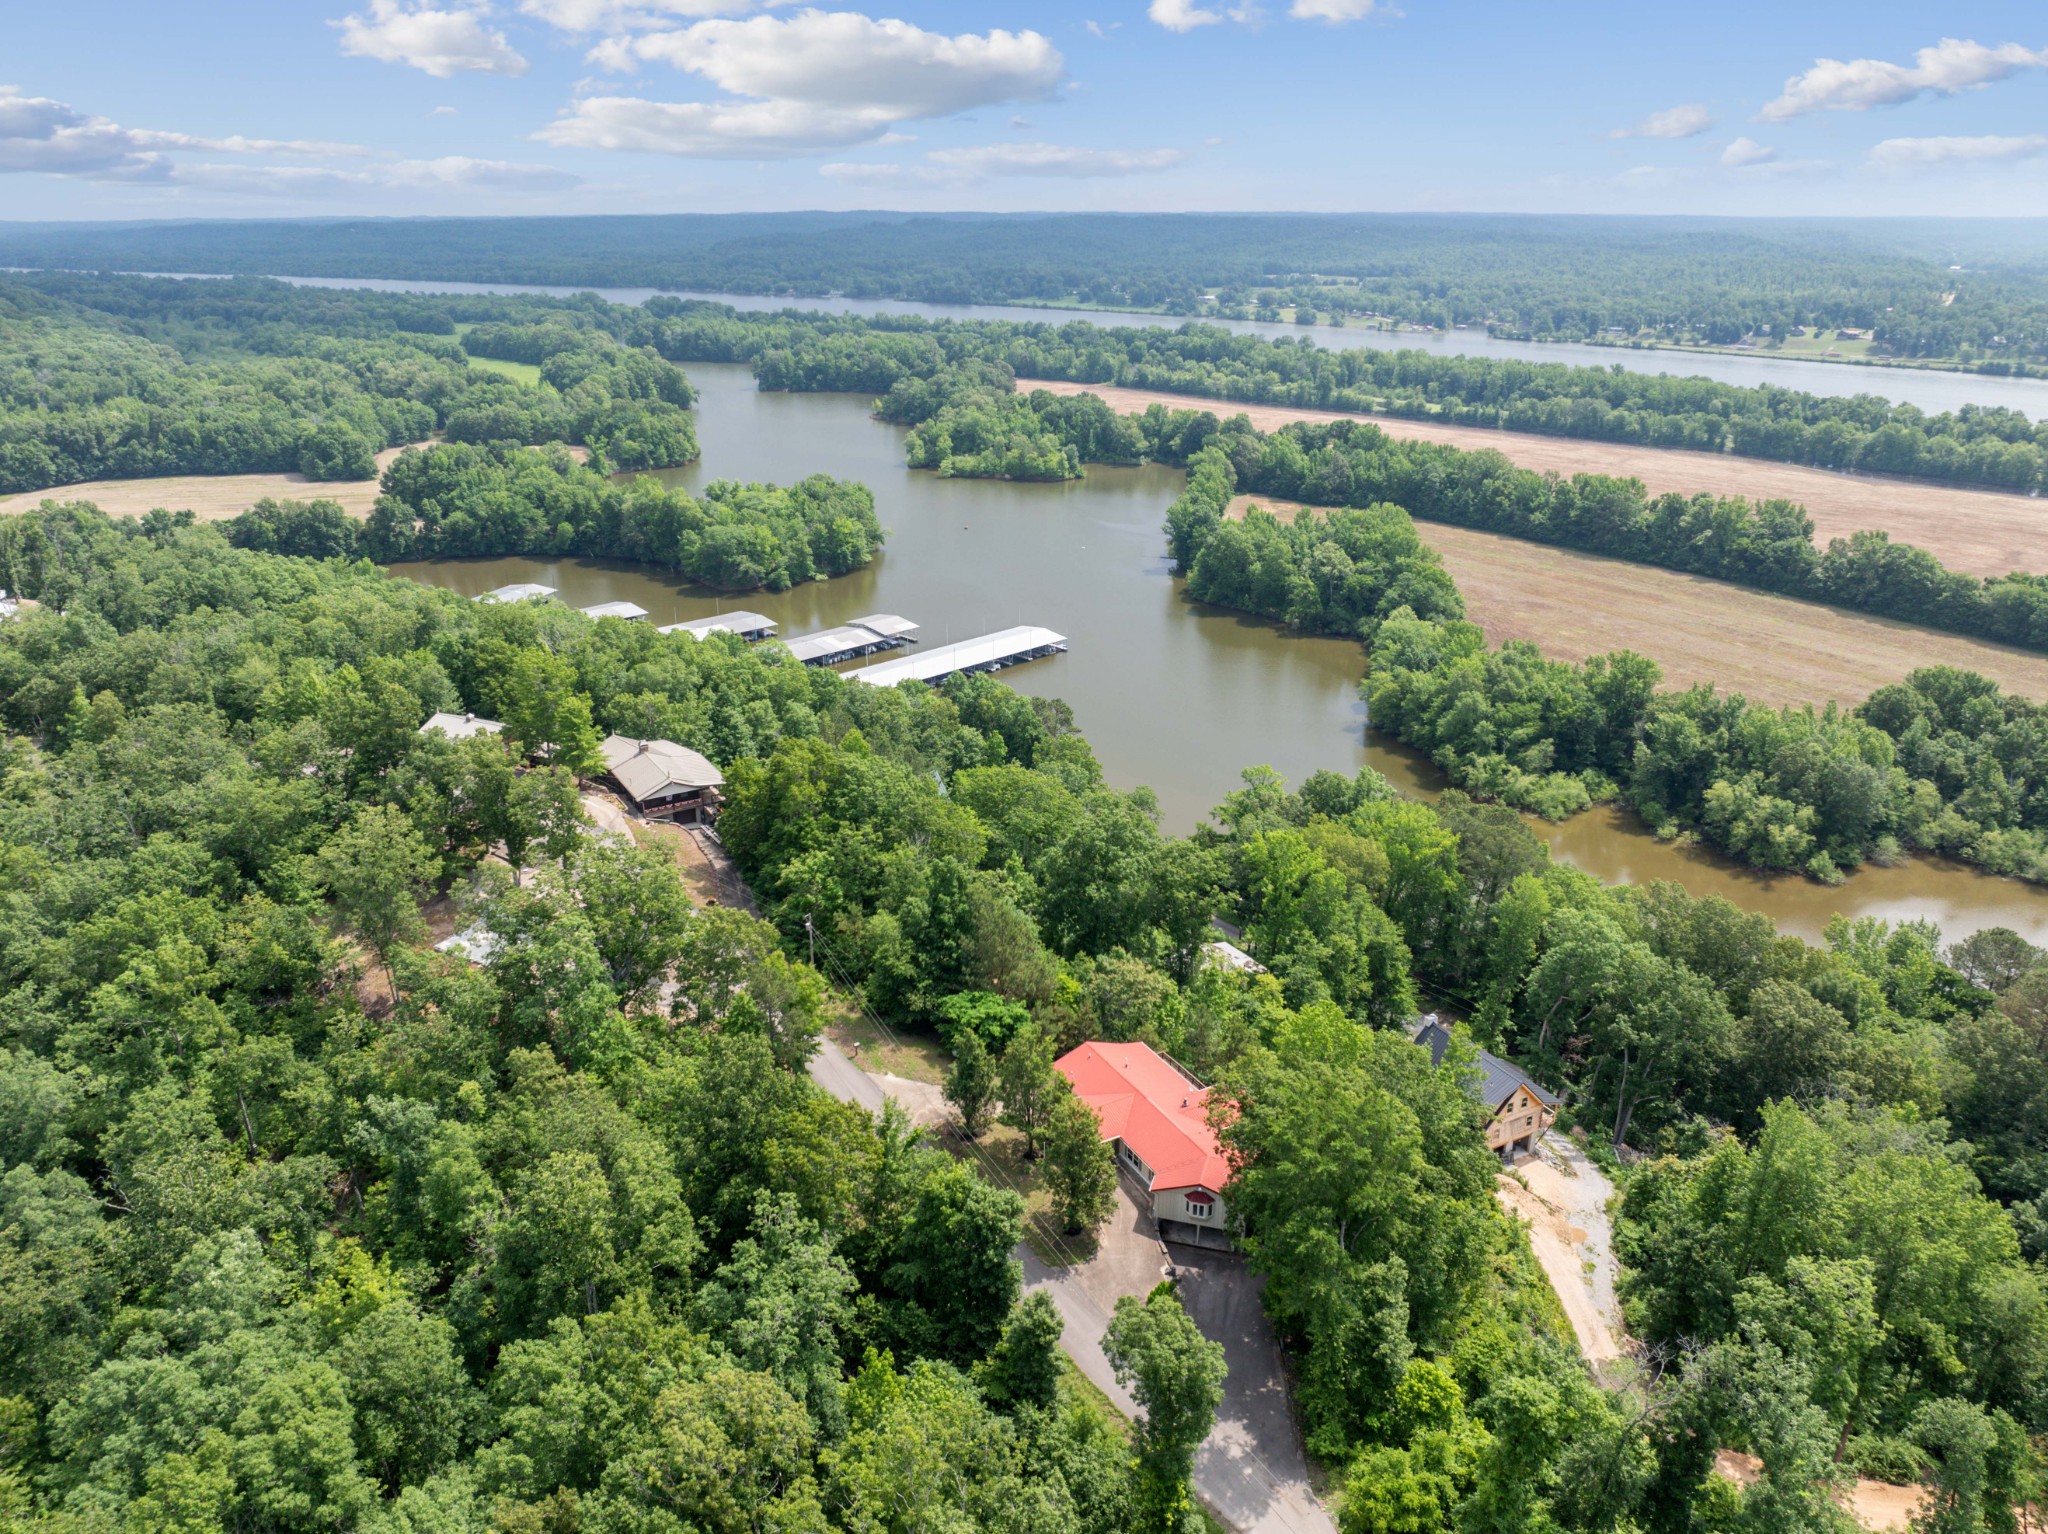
{"x":216,"y":497}
{"x":1771,"y":649}
{"x":1982,"y":532}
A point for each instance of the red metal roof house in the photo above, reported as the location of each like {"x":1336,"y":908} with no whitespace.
{"x":1156,"y":1117}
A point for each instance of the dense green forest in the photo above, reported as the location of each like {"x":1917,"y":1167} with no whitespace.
{"x":1939,"y":762}
{"x":794,"y":350}
{"x":604,"y":386}
{"x":136,"y":377}
{"x":458,"y":501}
{"x":454,"y":501}
{"x":303,"y":1227}
{"x":1677,"y":279}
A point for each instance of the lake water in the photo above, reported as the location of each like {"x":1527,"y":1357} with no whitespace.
{"x":1171,"y":694}
{"x":1929,"y":390}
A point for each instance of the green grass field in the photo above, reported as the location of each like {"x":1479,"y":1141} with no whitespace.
{"x":525,"y":372}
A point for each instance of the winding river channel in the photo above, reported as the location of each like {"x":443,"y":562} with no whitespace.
{"x":1172,"y":694}
{"x":1926,"y":388}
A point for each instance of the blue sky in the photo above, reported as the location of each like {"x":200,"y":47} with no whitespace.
{"x":120,"y":108}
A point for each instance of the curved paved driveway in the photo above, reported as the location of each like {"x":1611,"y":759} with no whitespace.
{"x":1251,"y":1470}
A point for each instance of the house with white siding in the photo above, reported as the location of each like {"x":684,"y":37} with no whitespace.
{"x":1156,"y":1117}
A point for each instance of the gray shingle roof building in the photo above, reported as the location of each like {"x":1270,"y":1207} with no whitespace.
{"x":662,"y":778}
{"x":1498,"y":1078}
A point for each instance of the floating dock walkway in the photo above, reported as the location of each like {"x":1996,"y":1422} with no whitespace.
{"x":749,"y":626}
{"x":862,"y":636}
{"x":991,"y":652}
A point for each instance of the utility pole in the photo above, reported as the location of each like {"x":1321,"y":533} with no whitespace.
{"x":811,"y":933}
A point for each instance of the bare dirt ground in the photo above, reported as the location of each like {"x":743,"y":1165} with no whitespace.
{"x":1982,"y":532}
{"x":707,"y":868}
{"x":217,"y":497}
{"x":1563,"y":1198}
{"x":1771,"y":649}
{"x":1878,"y":1505}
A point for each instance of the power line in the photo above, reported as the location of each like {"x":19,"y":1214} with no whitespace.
{"x":992,"y":1170}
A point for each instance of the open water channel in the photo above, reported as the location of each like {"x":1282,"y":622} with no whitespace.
{"x":1171,"y":694}
{"x":1929,"y":389}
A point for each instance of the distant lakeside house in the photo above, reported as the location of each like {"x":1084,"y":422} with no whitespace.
{"x":1518,"y":1110}
{"x":460,"y":726}
{"x":1155,"y":1117}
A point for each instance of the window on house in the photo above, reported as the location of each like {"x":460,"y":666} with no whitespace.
{"x":1199,"y":1205}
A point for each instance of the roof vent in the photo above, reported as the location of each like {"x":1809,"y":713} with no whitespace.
{"x":640,"y":749}
{"x":468,"y":718}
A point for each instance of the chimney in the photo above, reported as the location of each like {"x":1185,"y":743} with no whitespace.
{"x":641,"y":749}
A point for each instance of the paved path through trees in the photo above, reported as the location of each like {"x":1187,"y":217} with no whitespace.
{"x":1251,"y":1470}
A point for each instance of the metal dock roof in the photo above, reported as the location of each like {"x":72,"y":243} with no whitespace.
{"x":861,"y":636}
{"x":517,"y":592}
{"x":991,"y":652}
{"x":747,"y":625}
{"x":630,"y":611}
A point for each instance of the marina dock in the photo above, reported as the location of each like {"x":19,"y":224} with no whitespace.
{"x":861,"y":636}
{"x":991,"y":652}
{"x":749,"y":626}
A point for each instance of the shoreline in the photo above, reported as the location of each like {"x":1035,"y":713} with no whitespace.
{"x":1974,"y":532}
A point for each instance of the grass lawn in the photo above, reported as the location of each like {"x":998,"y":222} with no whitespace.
{"x":998,"y":1155}
{"x":1820,"y":345}
{"x":1002,"y":1161}
{"x":526,"y":372}
{"x":913,"y":1056}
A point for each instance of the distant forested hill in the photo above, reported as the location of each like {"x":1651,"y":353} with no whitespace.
{"x":1971,"y":290}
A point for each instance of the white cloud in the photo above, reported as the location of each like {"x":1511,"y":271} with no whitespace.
{"x":1747,"y":151}
{"x":1097,"y":29}
{"x":1181,"y":15}
{"x":954,"y":167}
{"x":235,"y":143}
{"x":442,"y":43}
{"x":446,"y":174}
{"x":1688,"y":121}
{"x":732,"y":130}
{"x":815,"y":81}
{"x":1912,"y":153}
{"x":1857,"y":85}
{"x":624,"y":15}
{"x":442,"y":112}
{"x":1053,"y":160}
{"x":38,"y":134}
{"x":1339,"y":11}
{"x":845,"y":60}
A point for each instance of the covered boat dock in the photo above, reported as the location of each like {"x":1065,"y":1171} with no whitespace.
{"x":991,"y":652}
{"x":749,"y":626}
{"x":521,"y":591}
{"x":861,"y":636}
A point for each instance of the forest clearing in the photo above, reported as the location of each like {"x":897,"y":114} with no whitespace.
{"x":1772,"y":649}
{"x":220,"y":497}
{"x":1981,"y":532}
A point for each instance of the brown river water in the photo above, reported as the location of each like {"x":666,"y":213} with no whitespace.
{"x":1172,"y":694}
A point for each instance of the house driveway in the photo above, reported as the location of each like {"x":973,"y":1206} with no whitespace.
{"x":1251,"y":1469}
{"x":1562,"y":1198}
